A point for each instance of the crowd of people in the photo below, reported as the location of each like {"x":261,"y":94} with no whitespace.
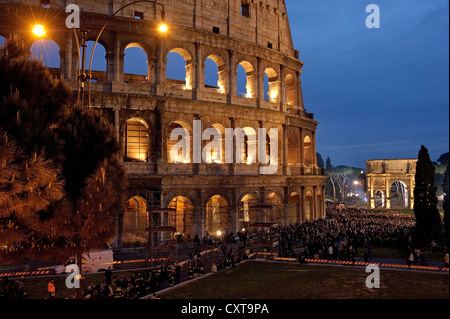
{"x":342,"y":235}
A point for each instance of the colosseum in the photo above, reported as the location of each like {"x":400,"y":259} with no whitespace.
{"x":221,"y":65}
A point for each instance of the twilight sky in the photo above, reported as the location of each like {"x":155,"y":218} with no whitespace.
{"x":378,"y":93}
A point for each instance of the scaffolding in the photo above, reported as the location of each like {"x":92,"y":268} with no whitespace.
{"x":261,"y":221}
{"x":161,"y":229}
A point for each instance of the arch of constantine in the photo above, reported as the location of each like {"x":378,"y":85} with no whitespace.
{"x":247,"y":37}
{"x":390,"y":183}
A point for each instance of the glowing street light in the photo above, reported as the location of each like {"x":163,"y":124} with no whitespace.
{"x":163,"y":28}
{"x":39,"y":30}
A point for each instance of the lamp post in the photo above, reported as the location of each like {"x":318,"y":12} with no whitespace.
{"x":39,"y":31}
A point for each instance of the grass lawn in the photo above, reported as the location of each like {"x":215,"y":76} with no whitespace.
{"x":260,"y":280}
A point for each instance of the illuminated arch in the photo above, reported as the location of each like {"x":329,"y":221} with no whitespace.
{"x":136,"y":141}
{"x":179,"y":68}
{"x":179,"y":151}
{"x":135,"y":222}
{"x":183,"y":218}
{"x":217,"y":214}
{"x":246,"y":80}
{"x":308,"y":151}
{"x":136,"y":63}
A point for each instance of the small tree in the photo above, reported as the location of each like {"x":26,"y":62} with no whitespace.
{"x":428,"y":221}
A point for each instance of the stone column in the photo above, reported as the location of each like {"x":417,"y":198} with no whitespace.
{"x":314,"y":150}
{"x":388,"y":195}
{"x":411,"y":192}
{"x":285,"y":151}
{"x":232,"y":81}
{"x":282,"y":91}
{"x":113,"y":61}
{"x":302,"y":203}
{"x":302,"y":151}
{"x":299,"y":92}
{"x":314,"y":203}
{"x":68,"y":58}
{"x":260,"y":82}
{"x":286,"y":206}
{"x":198,"y":76}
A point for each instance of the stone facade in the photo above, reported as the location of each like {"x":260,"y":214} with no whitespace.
{"x":385,"y":177}
{"x":207,"y":197}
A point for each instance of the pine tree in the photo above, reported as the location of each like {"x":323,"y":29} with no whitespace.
{"x":29,"y":185}
{"x":428,"y":221}
{"x":66,"y":172}
{"x":328,"y":165}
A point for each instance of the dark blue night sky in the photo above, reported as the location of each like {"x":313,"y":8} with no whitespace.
{"x":378,"y":93}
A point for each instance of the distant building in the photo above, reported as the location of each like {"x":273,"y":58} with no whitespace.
{"x":391,"y":183}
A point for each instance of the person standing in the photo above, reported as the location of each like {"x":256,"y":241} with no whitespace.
{"x":51,"y":289}
{"x":446,"y":259}
{"x":108,"y":274}
{"x":410,"y":259}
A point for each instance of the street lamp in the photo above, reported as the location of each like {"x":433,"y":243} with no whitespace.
{"x":39,"y":30}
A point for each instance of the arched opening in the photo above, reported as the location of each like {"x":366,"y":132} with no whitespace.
{"x":211,"y":74}
{"x":215,"y":75}
{"x":135,"y":223}
{"x":99,"y":62}
{"x":136,"y":141}
{"x":294,"y":209}
{"x":178,"y":141}
{"x":136,"y":66}
{"x":293,"y":150}
{"x":291,"y":90}
{"x":308,"y":206}
{"x":246,"y":80}
{"x":2,"y":40}
{"x":308,"y":151}
{"x":275,"y":214}
{"x":183,"y":218}
{"x":399,"y":195}
{"x":179,"y":69}
{"x":217,"y":212}
{"x":271,"y":86}
{"x":47,"y":51}
{"x":214,"y":150}
{"x":379,"y":199}
{"x":246,"y":202}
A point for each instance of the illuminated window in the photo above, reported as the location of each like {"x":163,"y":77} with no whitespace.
{"x":136,"y":142}
{"x":307,"y":145}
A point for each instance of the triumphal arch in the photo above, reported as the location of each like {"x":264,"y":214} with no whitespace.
{"x":390,"y":183}
{"x":237,"y":69}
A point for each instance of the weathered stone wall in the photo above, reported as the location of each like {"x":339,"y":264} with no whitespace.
{"x":221,"y":30}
